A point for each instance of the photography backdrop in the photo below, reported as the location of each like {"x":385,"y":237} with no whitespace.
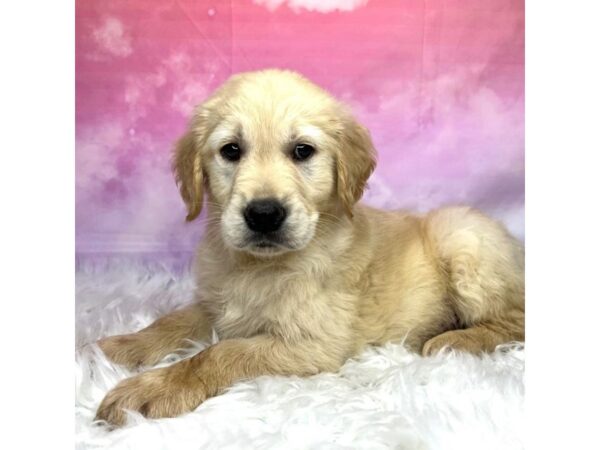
{"x":438,"y":82}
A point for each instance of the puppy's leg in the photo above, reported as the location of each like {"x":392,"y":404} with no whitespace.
{"x":166,"y":335}
{"x":486,"y":287}
{"x":483,"y":337}
{"x":174,"y":390}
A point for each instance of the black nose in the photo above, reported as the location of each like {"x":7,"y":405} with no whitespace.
{"x":265,"y":215}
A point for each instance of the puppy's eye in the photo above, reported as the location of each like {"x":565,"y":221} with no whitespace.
{"x":231,"y":152}
{"x":302,"y":152}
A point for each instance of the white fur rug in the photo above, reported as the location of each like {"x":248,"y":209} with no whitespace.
{"x":387,"y":398}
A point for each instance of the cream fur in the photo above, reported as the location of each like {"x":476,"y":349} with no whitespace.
{"x":345,"y":276}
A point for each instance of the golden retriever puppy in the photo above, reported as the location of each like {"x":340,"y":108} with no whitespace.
{"x":293,"y":274}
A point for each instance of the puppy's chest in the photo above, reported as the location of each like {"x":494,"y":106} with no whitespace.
{"x":246,"y":304}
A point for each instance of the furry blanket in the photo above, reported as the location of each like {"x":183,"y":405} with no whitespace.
{"x":385,"y":398}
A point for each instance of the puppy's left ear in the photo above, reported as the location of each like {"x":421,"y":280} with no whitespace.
{"x":356,"y":162}
{"x":187,"y":167}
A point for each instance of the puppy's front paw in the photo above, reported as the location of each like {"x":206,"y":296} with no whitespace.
{"x":166,"y":392}
{"x":129,"y":350}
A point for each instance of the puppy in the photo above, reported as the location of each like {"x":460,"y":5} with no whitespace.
{"x":293,"y":274}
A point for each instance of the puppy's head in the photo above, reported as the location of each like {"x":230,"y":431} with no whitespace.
{"x":273,"y":153}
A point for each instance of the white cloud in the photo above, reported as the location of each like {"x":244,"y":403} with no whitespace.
{"x":97,"y":150}
{"x":322,"y":6}
{"x":185,"y":99}
{"x":190,"y":81}
{"x":140,"y":92}
{"x":185,"y":80}
{"x":111,"y":38}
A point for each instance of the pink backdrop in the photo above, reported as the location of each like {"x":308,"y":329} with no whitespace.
{"x":438,"y":82}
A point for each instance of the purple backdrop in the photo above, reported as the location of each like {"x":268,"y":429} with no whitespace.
{"x":438,"y":82}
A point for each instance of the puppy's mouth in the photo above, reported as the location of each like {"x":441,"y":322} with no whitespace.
{"x":267,"y":244}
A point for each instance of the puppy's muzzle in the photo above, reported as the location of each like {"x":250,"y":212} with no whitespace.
{"x":265,"y":215}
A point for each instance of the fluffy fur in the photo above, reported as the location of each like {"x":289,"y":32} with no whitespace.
{"x":337,"y":277}
{"x":385,"y":398}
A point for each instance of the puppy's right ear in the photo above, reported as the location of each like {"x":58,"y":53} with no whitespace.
{"x":187,"y":167}
{"x":356,"y":162}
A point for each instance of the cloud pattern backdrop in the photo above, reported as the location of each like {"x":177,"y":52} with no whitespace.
{"x":439,"y":83}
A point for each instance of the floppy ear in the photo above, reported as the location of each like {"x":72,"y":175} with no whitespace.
{"x":356,"y":162}
{"x":187,"y":167}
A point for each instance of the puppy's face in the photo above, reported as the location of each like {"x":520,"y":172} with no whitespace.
{"x":275,"y":152}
